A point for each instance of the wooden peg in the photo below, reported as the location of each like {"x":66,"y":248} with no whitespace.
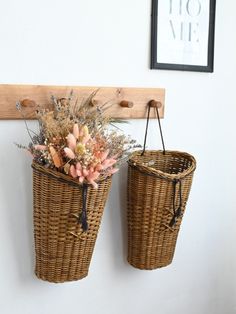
{"x":126,"y":104}
{"x":27,"y":103}
{"x":155,"y":104}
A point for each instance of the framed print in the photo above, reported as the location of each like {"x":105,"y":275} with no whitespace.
{"x":182,"y":35}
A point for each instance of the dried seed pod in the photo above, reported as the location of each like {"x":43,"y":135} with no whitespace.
{"x":55,"y":157}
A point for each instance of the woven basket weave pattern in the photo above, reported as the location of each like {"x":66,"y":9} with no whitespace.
{"x":151,"y":241}
{"x":63,"y":251}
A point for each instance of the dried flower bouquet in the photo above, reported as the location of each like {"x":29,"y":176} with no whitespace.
{"x":76,"y":139}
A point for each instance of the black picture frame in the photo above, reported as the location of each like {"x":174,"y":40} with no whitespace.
{"x":156,"y":62}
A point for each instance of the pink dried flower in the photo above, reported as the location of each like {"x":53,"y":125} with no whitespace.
{"x":76,"y":130}
{"x":72,"y":171}
{"x":108,"y":163}
{"x":78,"y":165}
{"x":92,"y":176}
{"x":81,"y":173}
{"x":69,"y":153}
{"x":71,"y":141}
{"x":40,"y":147}
{"x":81,"y":179}
{"x":112,"y":171}
{"x":85,"y":172}
{"x":98,"y":167}
{"x":104,"y":155}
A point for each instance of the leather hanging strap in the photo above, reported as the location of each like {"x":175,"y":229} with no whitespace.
{"x":146,"y":131}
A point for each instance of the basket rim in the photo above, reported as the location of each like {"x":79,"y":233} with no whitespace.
{"x":63,"y":177}
{"x":158,"y":173}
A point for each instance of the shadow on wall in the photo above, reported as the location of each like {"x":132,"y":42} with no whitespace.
{"x":117,"y":219}
{"x":20,"y":218}
{"x":122,"y":186}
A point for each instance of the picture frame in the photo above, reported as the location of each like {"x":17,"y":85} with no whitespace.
{"x":182,"y":35}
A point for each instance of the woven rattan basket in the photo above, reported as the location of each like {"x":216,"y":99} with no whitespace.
{"x":158,"y":189}
{"x":159,"y":183}
{"x":63,"y":250}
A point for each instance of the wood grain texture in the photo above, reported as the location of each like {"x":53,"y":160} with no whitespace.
{"x":40,"y":95}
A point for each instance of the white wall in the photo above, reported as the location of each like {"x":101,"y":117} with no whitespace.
{"x":106,"y":43}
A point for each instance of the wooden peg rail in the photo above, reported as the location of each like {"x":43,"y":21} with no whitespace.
{"x":127,"y":103}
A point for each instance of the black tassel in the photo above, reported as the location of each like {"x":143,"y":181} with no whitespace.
{"x":83,"y":216}
{"x":174,"y":218}
{"x":84,"y":221}
{"x":172,"y":222}
{"x":178,"y":212}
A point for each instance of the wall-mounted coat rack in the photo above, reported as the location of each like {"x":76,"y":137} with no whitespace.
{"x":127,"y":103}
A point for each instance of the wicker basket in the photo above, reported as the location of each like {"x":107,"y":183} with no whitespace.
{"x":63,"y":250}
{"x":158,"y":188}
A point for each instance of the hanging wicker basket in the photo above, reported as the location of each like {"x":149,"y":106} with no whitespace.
{"x":63,"y":248}
{"x":159,"y":183}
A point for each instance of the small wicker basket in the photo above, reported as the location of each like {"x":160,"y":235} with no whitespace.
{"x":159,"y":183}
{"x":63,"y":249}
